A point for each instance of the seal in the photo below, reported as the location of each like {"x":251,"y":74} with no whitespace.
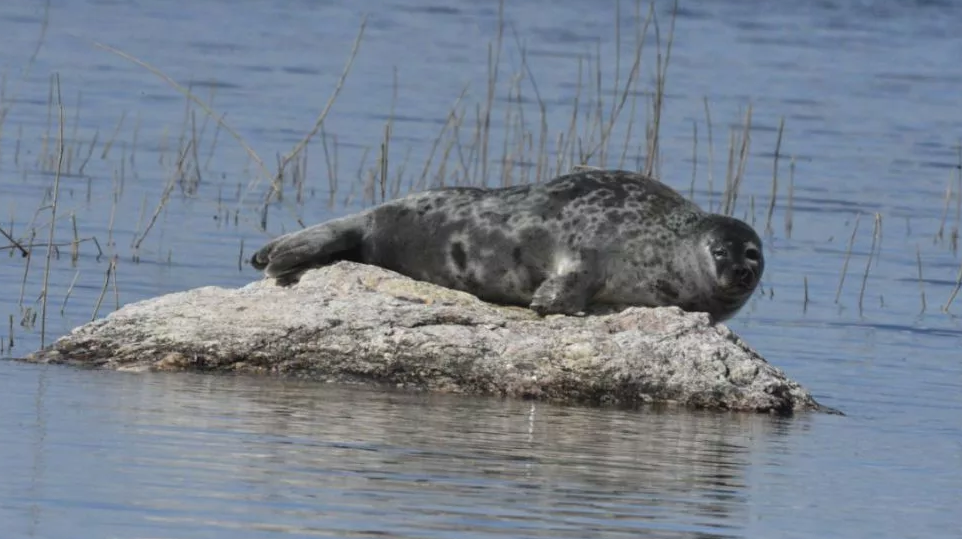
{"x":592,"y":237}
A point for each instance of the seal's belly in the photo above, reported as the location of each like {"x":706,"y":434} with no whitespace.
{"x":496,"y":263}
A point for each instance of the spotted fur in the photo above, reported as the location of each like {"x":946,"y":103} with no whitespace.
{"x":590,"y":237}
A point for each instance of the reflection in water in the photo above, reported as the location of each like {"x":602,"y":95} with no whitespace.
{"x":178,"y":454}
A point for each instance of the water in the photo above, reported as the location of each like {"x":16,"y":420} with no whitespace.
{"x":868,"y":91}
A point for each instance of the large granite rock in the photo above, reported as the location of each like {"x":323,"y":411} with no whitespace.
{"x":350,"y":322}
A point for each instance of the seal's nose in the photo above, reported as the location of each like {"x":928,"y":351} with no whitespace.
{"x":744,"y":276}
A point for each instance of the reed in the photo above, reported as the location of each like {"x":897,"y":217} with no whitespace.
{"x":13,"y":242}
{"x":66,"y":297}
{"x":958,"y":201}
{"x":711,"y":156}
{"x":75,"y":244}
{"x":661,"y":69}
{"x":164,"y":199}
{"x":791,"y":198}
{"x":918,"y":259}
{"x":848,"y":256}
{"x":113,"y":136}
{"x":805,"y":296}
{"x":774,"y":195}
{"x":318,"y":122}
{"x":9,"y":339}
{"x":103,"y":291}
{"x":954,"y":293}
{"x":53,"y":217}
{"x":872,"y":256}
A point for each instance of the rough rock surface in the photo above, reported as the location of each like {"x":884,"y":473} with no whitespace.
{"x":350,"y":322}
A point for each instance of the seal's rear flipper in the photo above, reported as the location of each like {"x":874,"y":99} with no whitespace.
{"x":285,"y":258}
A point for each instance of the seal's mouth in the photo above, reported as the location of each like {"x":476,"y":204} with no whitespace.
{"x":745,"y":277}
{"x":740,"y":280}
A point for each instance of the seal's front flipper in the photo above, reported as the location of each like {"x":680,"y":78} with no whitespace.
{"x":570,"y":290}
{"x":287,"y":257}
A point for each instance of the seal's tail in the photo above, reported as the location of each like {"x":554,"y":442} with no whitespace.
{"x":285,"y":258}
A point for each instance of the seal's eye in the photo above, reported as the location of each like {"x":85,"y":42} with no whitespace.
{"x":752,"y":254}
{"x":719,"y":252}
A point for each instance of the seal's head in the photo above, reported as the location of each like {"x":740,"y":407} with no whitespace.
{"x":729,"y":253}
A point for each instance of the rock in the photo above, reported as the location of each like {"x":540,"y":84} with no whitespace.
{"x":355,"y":323}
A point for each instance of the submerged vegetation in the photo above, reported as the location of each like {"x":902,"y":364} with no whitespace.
{"x":501,"y":137}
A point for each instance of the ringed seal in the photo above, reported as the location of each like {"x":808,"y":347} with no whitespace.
{"x":590,"y":237}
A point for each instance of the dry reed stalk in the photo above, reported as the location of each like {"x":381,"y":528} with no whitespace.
{"x":789,"y":208}
{"x":113,"y":214}
{"x":805,"y":299}
{"x":494,"y":61}
{"x":90,"y":152}
{"x":955,"y":292}
{"x":399,"y":174}
{"x":302,"y":177}
{"x":140,"y":222}
{"x":103,"y":291}
{"x":446,"y":154}
{"x":73,"y":136}
{"x":185,"y":123}
{"x":876,"y":245}
{"x":744,"y":144}
{"x":617,"y":80}
{"x":618,"y":105}
{"x":240,"y":256}
{"x":652,"y":164}
{"x":452,"y":114}
{"x":628,"y":134}
{"x":43,"y":32}
{"x":195,"y":142}
{"x":543,"y":136}
{"x":16,"y":152}
{"x":939,"y":236}
{"x":918,"y":259}
{"x":213,"y":143}
{"x":14,"y":243}
{"x":958,"y":202}
{"x":42,"y":158}
{"x":252,"y":155}
{"x":848,"y":255}
{"x":110,"y":142}
{"x":383,"y":161}
{"x":116,"y":288}
{"x":330,"y":162}
{"x":571,"y":135}
{"x":694,"y":159}
{"x":53,"y":218}
{"x":164,"y":198}
{"x":778,"y":153}
{"x":63,"y":306}
{"x":507,"y":163}
{"x":729,"y":173}
{"x":463,"y":162}
{"x":75,"y":244}
{"x":212,"y":87}
{"x":711,"y":157}
{"x":123,"y":167}
{"x":134,"y":142}
{"x":327,"y":107}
